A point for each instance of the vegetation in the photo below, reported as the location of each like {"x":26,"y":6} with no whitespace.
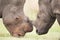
{"x":53,"y":34}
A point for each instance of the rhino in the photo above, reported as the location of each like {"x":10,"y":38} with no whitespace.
{"x":11,"y":12}
{"x":49,"y":11}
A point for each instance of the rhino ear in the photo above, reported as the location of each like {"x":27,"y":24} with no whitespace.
{"x":58,"y":18}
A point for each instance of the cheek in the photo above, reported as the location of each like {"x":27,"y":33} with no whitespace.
{"x":10,"y":29}
{"x":42,"y":26}
{"x":19,"y":30}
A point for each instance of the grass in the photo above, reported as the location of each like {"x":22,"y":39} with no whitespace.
{"x":53,"y":34}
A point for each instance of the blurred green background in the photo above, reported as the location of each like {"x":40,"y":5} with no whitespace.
{"x":53,"y":34}
{"x":31,"y":9}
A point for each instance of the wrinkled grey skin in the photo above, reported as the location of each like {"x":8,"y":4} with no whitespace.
{"x":11,"y":11}
{"x":4,"y":3}
{"x":49,"y":11}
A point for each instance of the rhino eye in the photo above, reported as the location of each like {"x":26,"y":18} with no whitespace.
{"x":38,"y":16}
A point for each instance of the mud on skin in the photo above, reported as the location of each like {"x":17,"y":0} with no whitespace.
{"x":11,"y":11}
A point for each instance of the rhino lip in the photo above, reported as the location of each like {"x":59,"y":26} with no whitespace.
{"x":41,"y":32}
{"x":18,"y":35}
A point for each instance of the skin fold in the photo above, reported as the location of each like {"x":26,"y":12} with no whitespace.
{"x":49,"y":11}
{"x":11,"y":11}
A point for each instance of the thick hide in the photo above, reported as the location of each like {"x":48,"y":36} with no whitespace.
{"x":13,"y":17}
{"x":49,"y":10}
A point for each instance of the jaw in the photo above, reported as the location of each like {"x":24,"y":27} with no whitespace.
{"x":42,"y":33}
{"x":18,"y":34}
{"x":20,"y":30}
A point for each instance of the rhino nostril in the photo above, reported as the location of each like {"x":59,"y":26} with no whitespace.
{"x":19,"y":35}
{"x":37,"y":31}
